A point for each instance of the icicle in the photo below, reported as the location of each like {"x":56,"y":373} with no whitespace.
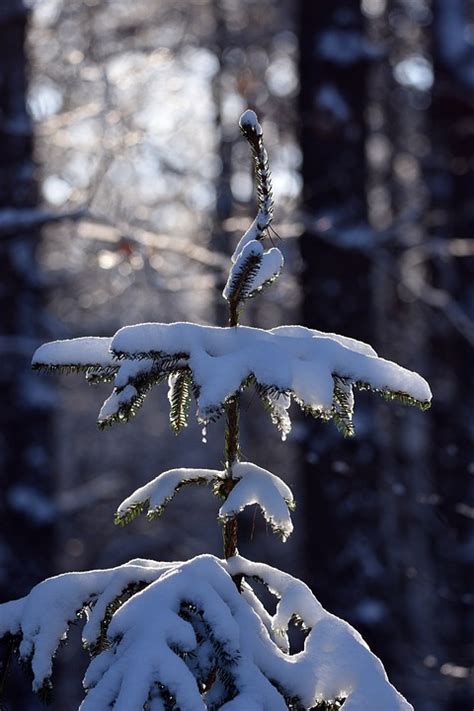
{"x":204,"y":434}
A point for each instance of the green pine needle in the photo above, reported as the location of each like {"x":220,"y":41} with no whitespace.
{"x":266,"y":392}
{"x":180,"y":400}
{"x":102,"y":642}
{"x":391,"y":395}
{"x":343,"y":406}
{"x":131,"y":513}
{"x":126,"y":517}
{"x":265,"y":284}
{"x":241,"y":283}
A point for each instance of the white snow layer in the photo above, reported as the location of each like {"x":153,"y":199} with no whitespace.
{"x":88,"y":351}
{"x":253,"y":248}
{"x":254,"y":232}
{"x":118,"y":398}
{"x":42,"y":618}
{"x":152,"y":641}
{"x":258,"y":486}
{"x":292,"y":360}
{"x":269,"y":268}
{"x":160,"y":490}
{"x":254,"y":485}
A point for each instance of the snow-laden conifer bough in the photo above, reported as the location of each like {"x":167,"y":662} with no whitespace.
{"x":194,"y":635}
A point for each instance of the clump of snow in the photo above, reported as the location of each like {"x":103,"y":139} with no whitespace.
{"x":270,"y":268}
{"x":86,"y":352}
{"x":147,"y":652}
{"x":267,"y":268}
{"x":255,"y":485}
{"x":249,"y":121}
{"x":160,"y":490}
{"x":255,"y":232}
{"x":258,"y":486}
{"x":115,"y":401}
{"x":252,"y":248}
{"x":288,"y":361}
{"x":303,"y":332}
{"x":42,"y":618}
{"x":335,"y":661}
{"x":129,"y":370}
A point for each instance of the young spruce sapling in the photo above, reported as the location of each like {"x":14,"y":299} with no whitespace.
{"x":194,"y":635}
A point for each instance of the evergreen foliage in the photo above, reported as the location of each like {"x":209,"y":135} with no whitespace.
{"x":194,"y":635}
{"x":179,"y":396}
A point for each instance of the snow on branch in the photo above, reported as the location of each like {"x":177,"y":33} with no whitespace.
{"x":134,"y":380}
{"x":160,"y":653}
{"x":270,"y":269}
{"x":253,"y":132}
{"x":318,"y":370}
{"x":182,"y":635}
{"x":156,"y":494}
{"x":253,"y":270}
{"x":258,"y":486}
{"x":243,"y":272}
{"x":91,"y":355}
{"x":41,"y":619}
{"x":289,"y":359}
{"x":254,"y":485}
{"x":335,"y":662}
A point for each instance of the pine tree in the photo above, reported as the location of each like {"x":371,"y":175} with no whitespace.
{"x":195,"y":634}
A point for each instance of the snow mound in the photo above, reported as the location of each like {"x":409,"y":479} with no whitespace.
{"x":145,"y":629}
{"x":253,"y":269}
{"x":258,"y":486}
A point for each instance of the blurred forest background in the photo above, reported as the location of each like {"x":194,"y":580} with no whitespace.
{"x":124,"y":186}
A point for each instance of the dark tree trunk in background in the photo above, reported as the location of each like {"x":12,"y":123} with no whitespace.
{"x":340,"y":475}
{"x":369,"y":538}
{"x":25,"y":453}
{"x":398,"y":199}
{"x":452,"y":208}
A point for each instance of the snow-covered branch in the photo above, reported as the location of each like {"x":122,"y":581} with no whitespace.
{"x":254,"y":485}
{"x":158,"y":492}
{"x":41,"y":619}
{"x":253,"y":270}
{"x":195,"y":635}
{"x":319,"y":370}
{"x":258,"y":486}
{"x":145,"y":656}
